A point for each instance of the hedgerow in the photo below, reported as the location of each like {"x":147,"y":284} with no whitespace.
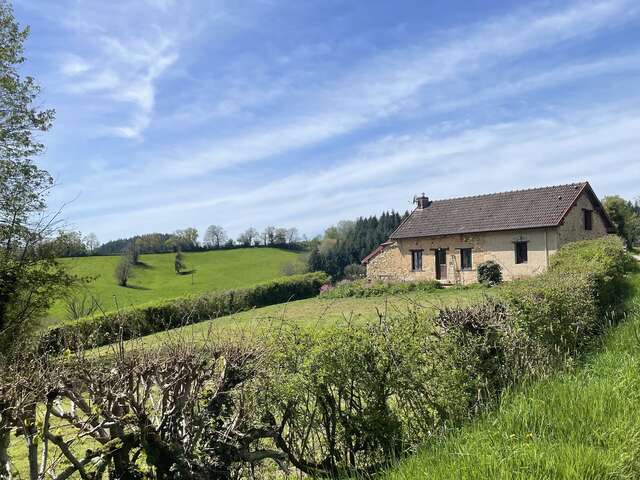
{"x":99,"y":330}
{"x":353,"y":398}
{"x":367,"y":288}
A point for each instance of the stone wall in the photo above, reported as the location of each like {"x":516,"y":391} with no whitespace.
{"x":572,"y":229}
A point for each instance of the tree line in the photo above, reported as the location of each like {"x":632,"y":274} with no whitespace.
{"x":343,"y":246}
{"x":74,"y":244}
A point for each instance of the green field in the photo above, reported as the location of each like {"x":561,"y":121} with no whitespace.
{"x":319,"y":312}
{"x":156,"y":279}
{"x":580,"y":424}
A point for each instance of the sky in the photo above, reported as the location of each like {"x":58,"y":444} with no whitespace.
{"x":173,"y":114}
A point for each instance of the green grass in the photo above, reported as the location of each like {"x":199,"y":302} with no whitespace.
{"x":579,"y":424}
{"x":156,"y":278}
{"x":319,"y":312}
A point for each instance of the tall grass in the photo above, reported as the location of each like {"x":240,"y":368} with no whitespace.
{"x":583,"y":423}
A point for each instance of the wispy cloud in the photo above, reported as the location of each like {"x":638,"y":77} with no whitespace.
{"x":392,"y":82}
{"x":123,"y":71}
{"x":318,"y":131}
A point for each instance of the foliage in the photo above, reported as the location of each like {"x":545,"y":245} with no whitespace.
{"x":625,"y":217}
{"x":30,"y":277}
{"x":355,"y":271}
{"x":579,"y":424}
{"x":147,"y":243}
{"x":490,"y":273}
{"x":605,"y":260}
{"x":179,"y":263}
{"x":349,"y":242}
{"x":124,"y":270}
{"x":248,"y":238}
{"x":295,"y":267}
{"x":215,"y":236}
{"x":366,"y":288}
{"x":349,"y":399}
{"x":163,"y":315}
{"x":179,"y":406}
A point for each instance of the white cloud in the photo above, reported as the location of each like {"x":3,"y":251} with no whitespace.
{"x":396,"y":81}
{"x":582,"y":145}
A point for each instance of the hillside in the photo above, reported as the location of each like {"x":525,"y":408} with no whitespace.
{"x":156,"y":279}
{"x":580,"y":424}
{"x":320,"y":312}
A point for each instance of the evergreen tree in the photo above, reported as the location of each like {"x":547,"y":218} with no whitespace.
{"x":180,"y":265}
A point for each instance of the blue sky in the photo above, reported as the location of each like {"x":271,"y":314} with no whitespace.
{"x":186,"y":113}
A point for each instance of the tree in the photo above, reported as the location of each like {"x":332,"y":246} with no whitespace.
{"x":292,"y":235}
{"x":280,"y":236}
{"x":267,"y":235}
{"x":67,"y":244}
{"x":215,"y":236}
{"x":186,"y":239}
{"x":179,"y":263}
{"x":623,"y":214}
{"x":134,"y":252}
{"x":92,"y":242}
{"x":247,"y":237}
{"x":124,"y":270}
{"x":30,"y":277}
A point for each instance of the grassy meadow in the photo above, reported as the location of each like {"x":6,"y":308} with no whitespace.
{"x":318,"y":312}
{"x":580,"y":424}
{"x":155,"y":278}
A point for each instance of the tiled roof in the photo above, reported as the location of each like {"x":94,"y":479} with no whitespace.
{"x":518,"y":209}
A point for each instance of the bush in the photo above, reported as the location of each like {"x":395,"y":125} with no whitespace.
{"x":163,"y":315}
{"x":352,"y":398}
{"x":606,"y":260}
{"x":355,"y":271}
{"x":365,"y":288}
{"x":489,"y":273}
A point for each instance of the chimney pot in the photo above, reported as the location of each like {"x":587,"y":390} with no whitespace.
{"x":423,"y":201}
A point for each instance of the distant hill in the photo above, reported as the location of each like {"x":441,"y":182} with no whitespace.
{"x":155,"y":277}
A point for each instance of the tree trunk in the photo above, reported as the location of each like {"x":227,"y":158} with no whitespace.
{"x":5,"y":462}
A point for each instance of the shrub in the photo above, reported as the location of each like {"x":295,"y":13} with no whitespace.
{"x":489,"y":273}
{"x":163,"y":315}
{"x":365,"y":288}
{"x":556,"y":311}
{"x":606,"y":260}
{"x":355,"y":271}
{"x":352,"y":398}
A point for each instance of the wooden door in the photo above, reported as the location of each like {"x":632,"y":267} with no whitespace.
{"x":441,"y":264}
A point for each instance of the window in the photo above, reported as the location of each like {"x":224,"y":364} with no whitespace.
{"x":588,"y":219}
{"x":522,"y":253}
{"x":465,"y":259}
{"x":416,"y":260}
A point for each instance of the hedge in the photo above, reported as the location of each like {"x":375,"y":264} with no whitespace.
{"x":99,"y":330}
{"x":366,"y":288}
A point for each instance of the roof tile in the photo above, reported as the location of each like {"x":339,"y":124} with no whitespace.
{"x":518,"y":209}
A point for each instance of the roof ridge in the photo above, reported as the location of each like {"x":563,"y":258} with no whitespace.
{"x":576,"y":184}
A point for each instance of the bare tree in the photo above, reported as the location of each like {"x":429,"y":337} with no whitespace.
{"x":292,"y":235}
{"x":215,"y":236}
{"x":247,"y":237}
{"x":268,"y":235}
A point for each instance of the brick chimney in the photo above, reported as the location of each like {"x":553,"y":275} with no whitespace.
{"x":422,"y":201}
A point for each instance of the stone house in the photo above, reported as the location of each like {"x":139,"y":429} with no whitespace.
{"x":447,"y":239}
